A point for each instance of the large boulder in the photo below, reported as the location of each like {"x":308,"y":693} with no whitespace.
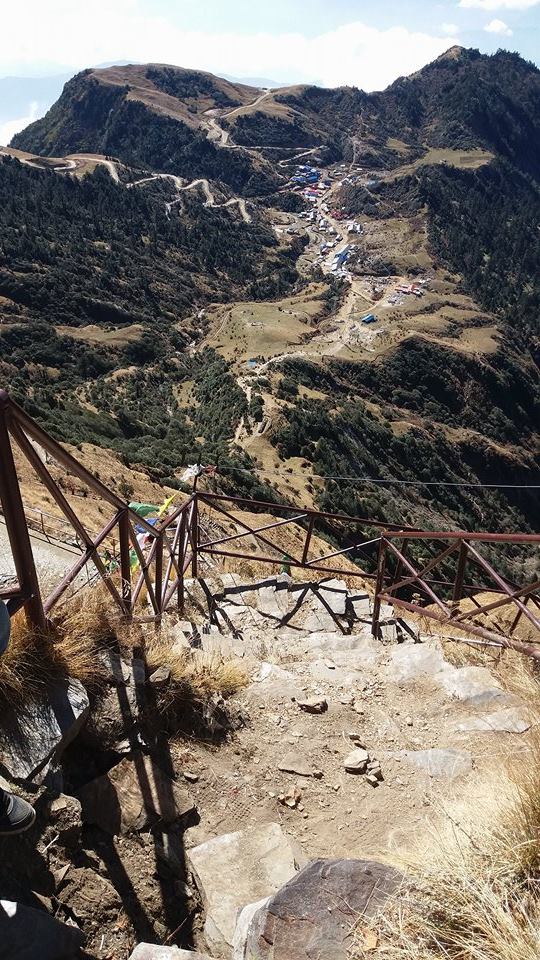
{"x":133,"y":795}
{"x":33,"y":736}
{"x":28,"y":934}
{"x":313,"y":915}
{"x":236,"y":869}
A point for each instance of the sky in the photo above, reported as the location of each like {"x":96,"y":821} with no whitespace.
{"x":328,"y":42}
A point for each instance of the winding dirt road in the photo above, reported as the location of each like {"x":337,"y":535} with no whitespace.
{"x":199,"y":182}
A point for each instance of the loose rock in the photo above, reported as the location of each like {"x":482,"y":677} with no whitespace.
{"x":295,"y":763}
{"x":357,"y":761}
{"x":313,"y":705}
{"x":440,"y":763}
{"x":150,"y":951}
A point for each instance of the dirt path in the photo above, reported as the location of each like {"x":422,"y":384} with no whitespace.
{"x":199,"y":182}
{"x":255,"y":103}
{"x":53,"y":558}
{"x":111,"y":166}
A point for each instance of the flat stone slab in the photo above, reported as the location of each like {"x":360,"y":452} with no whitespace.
{"x":236,"y":869}
{"x":294,"y":762}
{"x":133,"y":795}
{"x":507,"y":720}
{"x":439,"y":763}
{"x":273,"y":681}
{"x":408,"y":663}
{"x":334,"y":594}
{"x":337,"y":676}
{"x":33,"y":736}
{"x":473,"y":685}
{"x":28,"y":934}
{"x":273,"y":603}
{"x":150,"y":951}
{"x":314,"y":914}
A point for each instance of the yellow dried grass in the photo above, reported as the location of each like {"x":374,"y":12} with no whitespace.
{"x":474,"y":890}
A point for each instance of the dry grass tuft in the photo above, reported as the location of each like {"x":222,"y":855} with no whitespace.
{"x":476,"y":893}
{"x":195,"y":675}
{"x":70,"y":647}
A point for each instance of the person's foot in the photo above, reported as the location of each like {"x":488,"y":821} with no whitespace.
{"x":16,"y":815}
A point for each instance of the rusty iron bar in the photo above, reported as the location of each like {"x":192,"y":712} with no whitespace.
{"x":230,"y":516}
{"x":158,"y":575}
{"x":340,"y":553}
{"x":194,"y":531}
{"x":144,"y":563}
{"x":211,"y":497}
{"x":397,"y":572}
{"x":504,"y":586}
{"x":379,"y":586}
{"x":309,"y":534}
{"x":249,"y":531}
{"x":462,"y":535}
{"x":496,"y":604}
{"x":531,"y":650}
{"x":418,"y":579}
{"x":44,"y":475}
{"x":71,"y":575}
{"x":57,"y":452}
{"x":16,"y":526}
{"x":457,"y":593}
{"x":429,"y":566}
{"x":291,"y":563}
{"x":181,"y":560}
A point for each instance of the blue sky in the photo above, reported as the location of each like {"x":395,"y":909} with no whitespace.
{"x":329,"y":42}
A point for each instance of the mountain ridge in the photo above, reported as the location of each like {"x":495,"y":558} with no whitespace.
{"x":442,"y":387}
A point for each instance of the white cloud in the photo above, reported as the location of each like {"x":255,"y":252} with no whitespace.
{"x":499,"y":27}
{"x":62,"y":30}
{"x":499,"y":4}
{"x":450,"y":29}
{"x":11,"y":127}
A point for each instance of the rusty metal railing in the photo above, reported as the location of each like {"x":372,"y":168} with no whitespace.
{"x":208,"y":527}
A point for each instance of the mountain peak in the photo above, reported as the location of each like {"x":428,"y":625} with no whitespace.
{"x":454,"y":53}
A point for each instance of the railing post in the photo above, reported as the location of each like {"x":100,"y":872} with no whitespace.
{"x":460,"y":574}
{"x":308,"y":537}
{"x":195,"y":537}
{"x":379,"y":587}
{"x":125,"y":562}
{"x":17,"y":529}
{"x":158,"y":581}
{"x":181,"y":561}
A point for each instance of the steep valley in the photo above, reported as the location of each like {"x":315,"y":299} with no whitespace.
{"x":197,"y":264}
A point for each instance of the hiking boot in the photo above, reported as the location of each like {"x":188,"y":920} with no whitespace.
{"x":16,"y":815}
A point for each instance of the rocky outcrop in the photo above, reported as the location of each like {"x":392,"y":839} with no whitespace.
{"x":34,"y":736}
{"x":314,"y":914}
{"x":236,"y":869}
